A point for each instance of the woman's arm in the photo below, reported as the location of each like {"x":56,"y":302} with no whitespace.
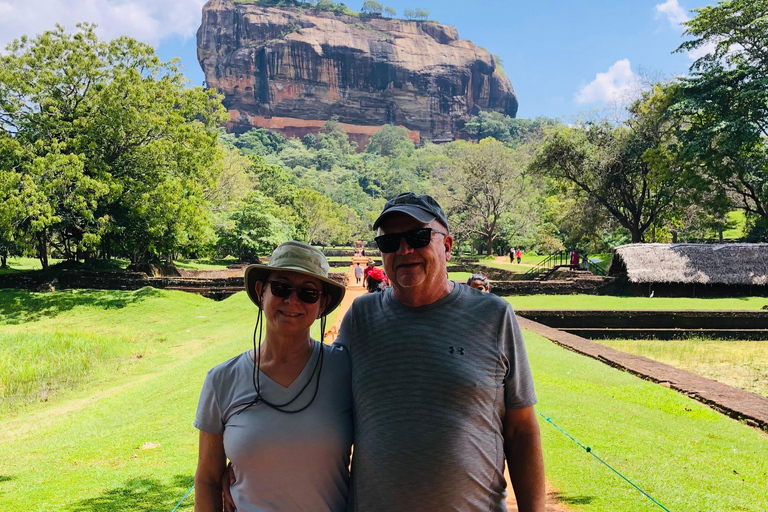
{"x":211,"y":463}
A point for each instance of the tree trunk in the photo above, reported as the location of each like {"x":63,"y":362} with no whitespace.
{"x":490,"y":244}
{"x":637,"y":235}
{"x":4,"y":259}
{"x":720,"y":232}
{"x":42,"y":249}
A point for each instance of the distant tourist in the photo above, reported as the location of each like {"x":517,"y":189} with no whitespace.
{"x":479,"y":282}
{"x":359,"y":273}
{"x":575,"y":259}
{"x":376,"y":280}
{"x":511,"y":254}
{"x":281,"y":412}
{"x":585,"y":263}
{"x":519,"y":255}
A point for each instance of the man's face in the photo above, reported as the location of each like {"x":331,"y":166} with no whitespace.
{"x":410,"y":268}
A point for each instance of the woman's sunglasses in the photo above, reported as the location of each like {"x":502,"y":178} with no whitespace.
{"x":283,"y":291}
{"x":415,"y":238}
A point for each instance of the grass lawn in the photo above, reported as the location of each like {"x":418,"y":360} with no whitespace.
{"x":205,"y":264}
{"x":739,"y":363}
{"x":611,"y":302}
{"x":18,"y":264}
{"x":81,"y":449}
{"x":684,"y":454}
{"x":459,"y":276}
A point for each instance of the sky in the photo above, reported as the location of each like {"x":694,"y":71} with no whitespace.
{"x":565,"y":58}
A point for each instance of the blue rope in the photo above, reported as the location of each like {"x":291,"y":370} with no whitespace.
{"x":182,"y":499}
{"x":589,"y":451}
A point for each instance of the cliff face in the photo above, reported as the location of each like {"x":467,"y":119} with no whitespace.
{"x":289,"y":70}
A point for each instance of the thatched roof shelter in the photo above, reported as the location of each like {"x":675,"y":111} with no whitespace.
{"x":712,"y":264}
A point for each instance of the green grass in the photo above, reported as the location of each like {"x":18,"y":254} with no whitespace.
{"x":20,"y":264}
{"x":738,"y":220}
{"x":81,"y":449}
{"x":459,"y":276}
{"x":611,"y":302}
{"x":683,"y":453}
{"x":739,"y":363}
{"x":205,"y":264}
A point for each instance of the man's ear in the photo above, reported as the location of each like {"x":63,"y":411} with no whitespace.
{"x":448,"y":244}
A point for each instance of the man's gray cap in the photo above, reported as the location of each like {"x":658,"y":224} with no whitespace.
{"x":422,"y":208}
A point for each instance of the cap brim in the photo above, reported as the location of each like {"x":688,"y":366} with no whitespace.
{"x":410,"y":210}
{"x":256,"y":273}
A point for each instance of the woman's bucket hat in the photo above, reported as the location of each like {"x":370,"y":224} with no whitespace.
{"x":297,"y":257}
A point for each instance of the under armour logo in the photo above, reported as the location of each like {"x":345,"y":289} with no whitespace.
{"x":452,"y":350}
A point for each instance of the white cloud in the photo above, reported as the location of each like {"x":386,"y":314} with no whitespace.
{"x":618,"y":84}
{"x":146,"y":20}
{"x":674,"y":13}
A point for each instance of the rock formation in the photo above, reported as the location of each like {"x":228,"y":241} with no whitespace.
{"x":291,"y":69}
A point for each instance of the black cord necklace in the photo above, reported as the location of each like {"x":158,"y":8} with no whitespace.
{"x":257,"y":374}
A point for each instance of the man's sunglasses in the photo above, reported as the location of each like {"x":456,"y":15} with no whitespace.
{"x":283,"y":291}
{"x":415,"y":238}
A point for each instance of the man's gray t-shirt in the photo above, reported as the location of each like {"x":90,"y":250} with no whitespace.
{"x":283,"y":462}
{"x":430,"y":387}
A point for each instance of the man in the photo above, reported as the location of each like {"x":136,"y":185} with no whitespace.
{"x":441,"y":385}
{"x":359,"y":273}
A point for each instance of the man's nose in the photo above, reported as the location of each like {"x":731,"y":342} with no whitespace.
{"x":404,"y":247}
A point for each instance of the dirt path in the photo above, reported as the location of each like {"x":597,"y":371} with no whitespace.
{"x":353,"y":291}
{"x":505,"y":259}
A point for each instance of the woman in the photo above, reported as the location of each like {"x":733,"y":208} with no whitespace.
{"x":281,"y":411}
{"x":479,"y":282}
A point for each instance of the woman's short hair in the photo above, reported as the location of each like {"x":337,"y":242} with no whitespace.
{"x":479,"y":277}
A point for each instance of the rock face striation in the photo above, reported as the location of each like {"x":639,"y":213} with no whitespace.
{"x":290,"y":69}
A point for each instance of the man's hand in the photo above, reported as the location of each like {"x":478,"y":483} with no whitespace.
{"x":522,"y":446}
{"x":227,"y":480}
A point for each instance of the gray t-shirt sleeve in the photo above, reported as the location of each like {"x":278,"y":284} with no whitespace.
{"x":518,"y":383}
{"x":209,"y":417}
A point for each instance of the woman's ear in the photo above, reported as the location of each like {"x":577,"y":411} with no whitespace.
{"x":324,"y":301}
{"x":258,"y":287}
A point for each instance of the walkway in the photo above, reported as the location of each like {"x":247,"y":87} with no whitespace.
{"x":353,"y":291}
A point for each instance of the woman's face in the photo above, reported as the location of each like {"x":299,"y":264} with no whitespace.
{"x":478,"y":285}
{"x":290,"y":315}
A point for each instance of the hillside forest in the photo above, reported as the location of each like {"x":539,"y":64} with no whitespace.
{"x":106,"y":152}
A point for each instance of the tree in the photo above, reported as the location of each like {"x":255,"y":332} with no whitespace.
{"x":114,"y":141}
{"x":724,"y":103}
{"x":633,"y":171}
{"x":372,"y":7}
{"x":325,"y":221}
{"x":256,"y":227}
{"x":390,"y":12}
{"x":409,"y":14}
{"x":421,"y":14}
{"x":485,"y":181}
{"x":390,"y":141}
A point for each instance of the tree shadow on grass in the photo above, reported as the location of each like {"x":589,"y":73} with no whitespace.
{"x":17,"y":307}
{"x":572,"y":500}
{"x":142,"y":494}
{"x":5,"y":478}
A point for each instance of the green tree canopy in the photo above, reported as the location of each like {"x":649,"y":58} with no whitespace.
{"x":372,"y":7}
{"x":633,"y":171}
{"x":723,"y":105}
{"x":112,"y":140}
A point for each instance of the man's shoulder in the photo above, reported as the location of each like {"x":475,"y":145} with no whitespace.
{"x":477,"y":299}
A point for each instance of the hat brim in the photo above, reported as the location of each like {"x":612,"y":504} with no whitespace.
{"x":410,"y":210}
{"x":256,"y":273}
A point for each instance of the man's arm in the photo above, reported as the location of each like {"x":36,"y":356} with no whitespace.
{"x":522,"y":447}
{"x":211,"y":463}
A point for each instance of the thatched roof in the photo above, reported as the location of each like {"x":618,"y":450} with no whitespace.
{"x":731,"y":264}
